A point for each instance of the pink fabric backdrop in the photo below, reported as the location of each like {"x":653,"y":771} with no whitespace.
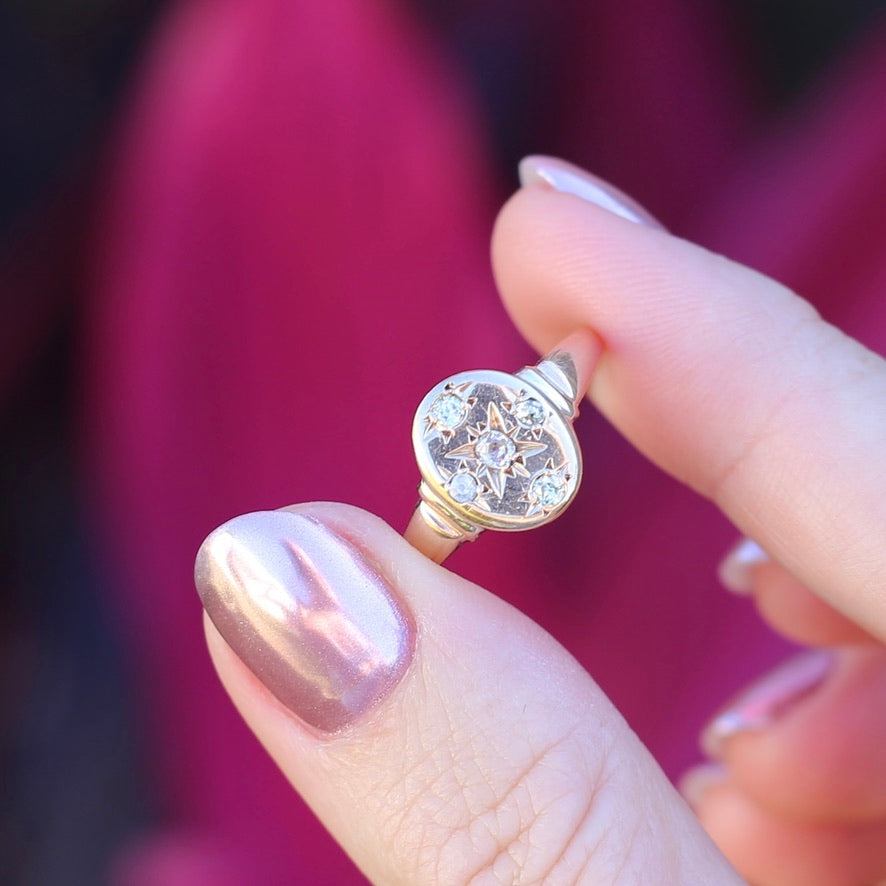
{"x":292,"y":248}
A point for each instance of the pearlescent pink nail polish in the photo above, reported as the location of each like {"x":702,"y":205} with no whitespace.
{"x":770,"y":698}
{"x":568,"y":179}
{"x":306,"y":613}
{"x":737,"y":567}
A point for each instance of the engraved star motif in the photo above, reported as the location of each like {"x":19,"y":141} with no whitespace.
{"x":496,"y":450}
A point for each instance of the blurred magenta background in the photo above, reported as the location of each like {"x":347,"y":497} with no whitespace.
{"x":241,"y":239}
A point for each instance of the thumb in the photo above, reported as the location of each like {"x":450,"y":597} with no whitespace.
{"x":440,"y":735}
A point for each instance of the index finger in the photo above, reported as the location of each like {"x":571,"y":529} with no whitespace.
{"x":725,"y":378}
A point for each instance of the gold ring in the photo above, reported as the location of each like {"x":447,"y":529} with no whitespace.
{"x":497,"y":451}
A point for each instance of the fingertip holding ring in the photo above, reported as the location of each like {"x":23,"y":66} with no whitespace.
{"x":498,"y":451}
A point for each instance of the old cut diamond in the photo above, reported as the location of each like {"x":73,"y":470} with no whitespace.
{"x":529,"y":412}
{"x":496,"y":450}
{"x":548,"y":489}
{"x":464,"y":488}
{"x":448,"y":411}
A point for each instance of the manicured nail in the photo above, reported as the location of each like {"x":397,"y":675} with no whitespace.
{"x":569,"y":179}
{"x":698,"y":780}
{"x":737,"y":567}
{"x":767,"y":700}
{"x":306,"y":613}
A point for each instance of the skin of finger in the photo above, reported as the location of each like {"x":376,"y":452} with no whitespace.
{"x":772,"y":851}
{"x":792,"y":610}
{"x":496,"y":759}
{"x":724,"y":378}
{"x":821,"y":760}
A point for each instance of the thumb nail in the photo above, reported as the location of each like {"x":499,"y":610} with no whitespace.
{"x":307,"y":613}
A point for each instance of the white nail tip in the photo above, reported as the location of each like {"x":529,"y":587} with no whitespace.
{"x":534,"y":170}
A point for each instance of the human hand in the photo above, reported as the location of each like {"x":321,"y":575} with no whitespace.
{"x":444,"y":738}
{"x":736,"y":386}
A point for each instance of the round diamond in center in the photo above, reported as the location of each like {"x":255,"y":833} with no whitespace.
{"x":496,"y":450}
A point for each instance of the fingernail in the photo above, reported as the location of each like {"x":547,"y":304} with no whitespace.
{"x":306,"y":613}
{"x":569,"y":179}
{"x":767,"y":700}
{"x":737,"y":567}
{"x":698,"y":780}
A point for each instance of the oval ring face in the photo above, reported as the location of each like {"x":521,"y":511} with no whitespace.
{"x":495,"y":451}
